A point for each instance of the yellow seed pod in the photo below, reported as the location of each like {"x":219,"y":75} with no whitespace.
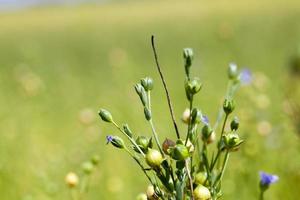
{"x":151,"y":193}
{"x":154,"y":158}
{"x":186,"y":116}
{"x":71,"y":179}
{"x":200,"y":178}
{"x":202,"y":193}
{"x":141,"y":196}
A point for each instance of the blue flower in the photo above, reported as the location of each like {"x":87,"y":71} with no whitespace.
{"x":109,"y":139}
{"x":245,"y":76}
{"x":205,"y":119}
{"x":267,"y":179}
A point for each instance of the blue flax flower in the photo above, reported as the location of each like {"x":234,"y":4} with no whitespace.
{"x":109,"y":139}
{"x":205,"y":119}
{"x":245,"y":76}
{"x":267,"y":179}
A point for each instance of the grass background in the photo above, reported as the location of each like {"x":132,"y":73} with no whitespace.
{"x":59,"y":65}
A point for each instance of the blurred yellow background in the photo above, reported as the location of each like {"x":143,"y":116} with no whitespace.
{"x":59,"y":64}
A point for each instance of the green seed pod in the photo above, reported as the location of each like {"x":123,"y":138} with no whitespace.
{"x":192,"y":87}
{"x":117,"y":142}
{"x":142,"y":93}
{"x":179,"y":152}
{"x":105,"y":115}
{"x":167,"y":145}
{"x":202,"y":193}
{"x":200,"y":178}
{"x":234,"y":125}
{"x":144,"y":143}
{"x":147,"y":113}
{"x":95,"y":160}
{"x":196,"y":116}
{"x":127,"y":130}
{"x":228,"y":106}
{"x":188,"y":58}
{"x":232,"y":71}
{"x":154,"y":158}
{"x":147,"y":83}
{"x":206,"y":132}
{"x":87,"y":167}
{"x":232,"y":141}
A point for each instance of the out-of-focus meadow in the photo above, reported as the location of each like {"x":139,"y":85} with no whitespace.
{"x":59,"y":65}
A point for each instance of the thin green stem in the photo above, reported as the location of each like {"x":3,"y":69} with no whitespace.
{"x":139,"y":163}
{"x":190,"y":122}
{"x":206,"y":164}
{"x":129,"y":138}
{"x":156,"y":137}
{"x":190,"y":179}
{"x":223,"y":127}
{"x":73,"y":194}
{"x":224,"y":164}
{"x":152,"y":125}
{"x":219,"y":148}
{"x":261,"y":195}
{"x":231,"y":89}
{"x":84,"y":184}
{"x":225,"y":161}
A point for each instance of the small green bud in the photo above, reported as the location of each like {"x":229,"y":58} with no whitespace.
{"x":232,"y":71}
{"x":147,"y":83}
{"x":95,"y":159}
{"x":167,"y":145}
{"x":147,"y":113}
{"x":192,"y":87}
{"x":228,"y":106}
{"x":105,"y":115}
{"x":179,"y":152}
{"x":144,"y":143}
{"x":142,"y":93}
{"x":234,"y":125}
{"x":200,"y":178}
{"x":115,"y":141}
{"x":127,"y":130}
{"x":196,"y":116}
{"x":154,"y":158}
{"x":87,"y":167}
{"x":206,"y":132}
{"x":232,"y":141}
{"x":202,"y":193}
{"x":188,"y":58}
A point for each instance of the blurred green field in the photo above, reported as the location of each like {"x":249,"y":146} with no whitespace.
{"x":59,"y":65}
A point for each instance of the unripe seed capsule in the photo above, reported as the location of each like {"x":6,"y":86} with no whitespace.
{"x":154,"y":158}
{"x":105,"y":115}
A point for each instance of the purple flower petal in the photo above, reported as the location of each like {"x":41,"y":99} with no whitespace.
{"x":109,"y":139}
{"x":246,"y":76}
{"x":205,"y":119}
{"x":267,"y":179}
